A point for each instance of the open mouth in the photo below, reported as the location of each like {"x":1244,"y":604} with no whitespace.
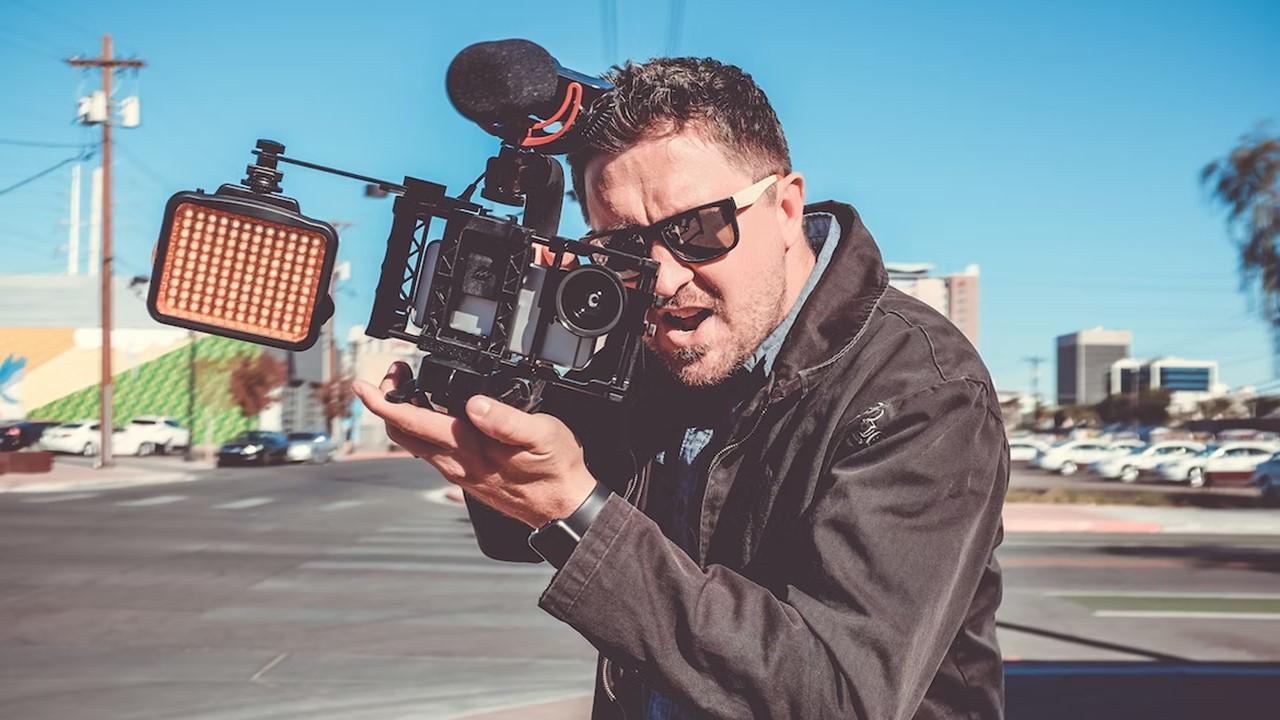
{"x":684,"y":319}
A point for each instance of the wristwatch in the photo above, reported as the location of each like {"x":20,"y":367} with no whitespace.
{"x":556,"y":540}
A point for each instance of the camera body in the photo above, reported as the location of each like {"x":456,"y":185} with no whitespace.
{"x":495,"y":320}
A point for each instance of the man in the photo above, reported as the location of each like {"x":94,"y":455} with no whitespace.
{"x":808,"y":490}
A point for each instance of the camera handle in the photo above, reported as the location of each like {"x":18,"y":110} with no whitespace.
{"x":446,"y":387}
{"x":524,"y":178}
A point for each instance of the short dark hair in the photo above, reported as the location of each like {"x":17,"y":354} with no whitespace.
{"x":665,"y":96}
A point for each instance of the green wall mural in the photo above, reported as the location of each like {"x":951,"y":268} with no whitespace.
{"x":162,"y":387}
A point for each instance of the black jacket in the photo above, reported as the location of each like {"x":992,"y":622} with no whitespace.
{"x":845,"y":566}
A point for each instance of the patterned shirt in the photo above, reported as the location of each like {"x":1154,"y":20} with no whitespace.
{"x":676,"y":498}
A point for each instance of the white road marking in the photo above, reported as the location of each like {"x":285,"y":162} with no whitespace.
{"x":451,"y":529}
{"x":461,"y":539}
{"x":440,"y":496}
{"x":157,"y":500}
{"x":426,"y":551}
{"x":495,"y":568}
{"x":1187,"y":614}
{"x":60,"y":498}
{"x":1157,"y":594}
{"x":244,"y":504}
{"x":341,"y":505}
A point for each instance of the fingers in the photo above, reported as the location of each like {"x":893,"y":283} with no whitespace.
{"x":445,"y":462}
{"x":424,"y":424}
{"x":397,"y":374}
{"x":508,"y":425}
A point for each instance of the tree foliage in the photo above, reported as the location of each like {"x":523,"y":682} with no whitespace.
{"x":1149,"y":407}
{"x":1247,"y":182}
{"x":254,"y":379}
{"x":336,"y":396}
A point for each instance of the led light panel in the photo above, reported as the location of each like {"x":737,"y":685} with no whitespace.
{"x":241,"y":273}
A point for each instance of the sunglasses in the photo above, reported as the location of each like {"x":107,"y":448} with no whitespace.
{"x":694,"y":236}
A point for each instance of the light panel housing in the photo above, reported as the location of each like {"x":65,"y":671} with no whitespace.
{"x":243,"y":266}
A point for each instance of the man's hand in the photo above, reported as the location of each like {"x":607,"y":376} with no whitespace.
{"x":528,"y":467}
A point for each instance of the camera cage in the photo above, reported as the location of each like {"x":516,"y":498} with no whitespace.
{"x":459,"y":364}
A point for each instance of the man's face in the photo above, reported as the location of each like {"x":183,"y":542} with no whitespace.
{"x":718,"y":312}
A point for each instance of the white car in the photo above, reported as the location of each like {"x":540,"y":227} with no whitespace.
{"x":147,"y":434}
{"x":82,"y":437}
{"x":312,"y":447}
{"x":1024,"y":450}
{"x":1225,"y":462}
{"x":1067,"y":456}
{"x":1129,"y":467}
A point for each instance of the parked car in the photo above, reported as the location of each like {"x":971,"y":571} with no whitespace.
{"x":1128,"y":467}
{"x":1267,"y":477}
{"x":1232,"y":462}
{"x":254,"y":446}
{"x":80,"y":437}
{"x":1124,"y":447}
{"x":1067,"y":456}
{"x":156,"y":434}
{"x":313,"y":447}
{"x":1023,"y":450}
{"x":15,"y":436}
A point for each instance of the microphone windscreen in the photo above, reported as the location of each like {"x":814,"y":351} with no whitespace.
{"x":502,"y":79}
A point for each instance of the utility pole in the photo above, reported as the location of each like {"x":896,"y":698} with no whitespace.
{"x":108,"y":65}
{"x":341,"y":271}
{"x":1035,"y":361}
{"x":73,"y":237}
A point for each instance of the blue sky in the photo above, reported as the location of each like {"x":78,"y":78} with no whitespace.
{"x":1057,"y":146}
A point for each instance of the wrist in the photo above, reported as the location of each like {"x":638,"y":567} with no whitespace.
{"x":556,"y":540}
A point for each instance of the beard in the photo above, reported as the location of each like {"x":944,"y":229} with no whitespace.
{"x":707,"y":365}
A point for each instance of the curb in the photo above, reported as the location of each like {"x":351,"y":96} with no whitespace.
{"x":51,"y":485}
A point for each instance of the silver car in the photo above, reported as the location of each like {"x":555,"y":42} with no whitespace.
{"x":310,"y":447}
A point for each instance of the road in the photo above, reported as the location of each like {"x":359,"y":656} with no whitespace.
{"x":344,"y":591}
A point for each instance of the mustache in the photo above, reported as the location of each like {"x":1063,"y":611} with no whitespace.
{"x":687,"y":299}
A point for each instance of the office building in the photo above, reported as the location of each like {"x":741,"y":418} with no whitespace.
{"x":1085,"y":361}
{"x":954,"y":295}
{"x":1189,"y":382}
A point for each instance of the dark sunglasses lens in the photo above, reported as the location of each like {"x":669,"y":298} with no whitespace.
{"x":701,"y":234}
{"x":628,"y":242}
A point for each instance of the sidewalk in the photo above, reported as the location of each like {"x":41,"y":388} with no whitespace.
{"x":68,"y":475}
{"x":1064,"y":518}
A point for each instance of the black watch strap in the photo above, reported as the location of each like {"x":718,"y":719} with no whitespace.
{"x":556,"y":540}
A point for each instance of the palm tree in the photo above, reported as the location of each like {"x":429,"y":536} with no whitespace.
{"x":1247,"y":182}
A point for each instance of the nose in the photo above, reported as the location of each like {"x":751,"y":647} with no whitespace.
{"x":672,"y":273}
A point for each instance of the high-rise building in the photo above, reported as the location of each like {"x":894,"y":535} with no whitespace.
{"x":1085,"y":359}
{"x":954,"y":295}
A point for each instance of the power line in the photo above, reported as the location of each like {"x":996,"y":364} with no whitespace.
{"x":20,"y":45}
{"x":609,"y":30}
{"x":42,"y":173}
{"x":39,"y":143}
{"x":55,"y":17}
{"x":674,"y":27}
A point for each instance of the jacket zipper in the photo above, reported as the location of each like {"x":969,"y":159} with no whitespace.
{"x":715,"y":461}
{"x":604,"y":681}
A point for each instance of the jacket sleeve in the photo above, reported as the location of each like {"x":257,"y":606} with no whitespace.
{"x":888,"y":556}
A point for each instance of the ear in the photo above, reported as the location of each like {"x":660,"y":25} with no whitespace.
{"x":790,"y":192}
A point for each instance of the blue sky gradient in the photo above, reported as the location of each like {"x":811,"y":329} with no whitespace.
{"x":1057,"y":146}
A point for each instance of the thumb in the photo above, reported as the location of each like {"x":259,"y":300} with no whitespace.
{"x":504,"y":423}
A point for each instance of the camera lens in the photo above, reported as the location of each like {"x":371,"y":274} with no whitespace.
{"x":589,"y":301}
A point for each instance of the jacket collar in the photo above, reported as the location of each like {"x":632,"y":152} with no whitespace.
{"x":839,"y":307}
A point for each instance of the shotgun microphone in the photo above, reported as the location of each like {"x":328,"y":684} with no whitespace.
{"x":516,"y":90}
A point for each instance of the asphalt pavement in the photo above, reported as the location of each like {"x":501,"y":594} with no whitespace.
{"x":354,"y":590}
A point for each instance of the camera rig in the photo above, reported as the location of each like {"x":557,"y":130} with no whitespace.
{"x":492,"y":304}
{"x":498,"y":306}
